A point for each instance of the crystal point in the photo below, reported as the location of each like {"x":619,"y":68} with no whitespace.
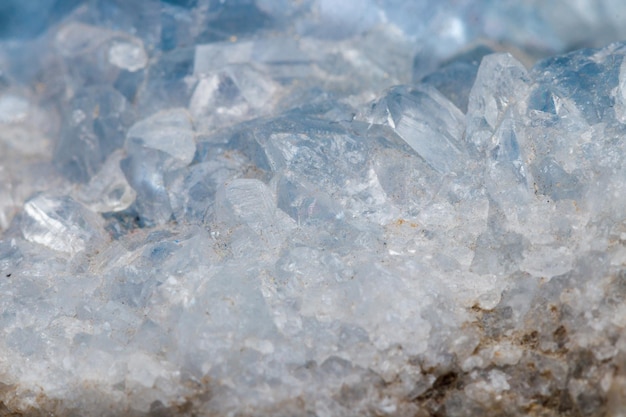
{"x":312,"y":208}
{"x":59,"y":223}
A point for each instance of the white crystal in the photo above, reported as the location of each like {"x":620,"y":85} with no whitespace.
{"x":169,"y":131}
{"x":108,"y":190}
{"x":501,"y":81}
{"x":59,"y":223}
{"x":128,"y":56}
{"x":620,"y":95}
{"x":428,"y":122}
{"x":13,"y":109}
{"x":235,"y":94}
{"x":252,"y":202}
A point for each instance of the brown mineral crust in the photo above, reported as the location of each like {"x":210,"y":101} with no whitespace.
{"x":443,"y":398}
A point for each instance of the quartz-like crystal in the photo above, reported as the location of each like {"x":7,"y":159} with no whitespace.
{"x":312,"y":208}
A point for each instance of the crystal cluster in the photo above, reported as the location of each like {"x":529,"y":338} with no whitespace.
{"x":313,"y":208}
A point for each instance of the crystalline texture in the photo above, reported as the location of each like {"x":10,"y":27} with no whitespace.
{"x":501,"y":80}
{"x":554,"y":181}
{"x":312,"y":208}
{"x":143,"y":170}
{"x":169,"y":80}
{"x":128,"y":56}
{"x":59,"y":223}
{"x":428,"y":122}
{"x":93,"y":54}
{"x":200,"y":183}
{"x":620,"y":96}
{"x":235,"y":94}
{"x":586,"y":77}
{"x":250,"y":202}
{"x":156,"y":145}
{"x":108,"y":190}
{"x":455,"y":78}
{"x":94,"y":125}
{"x":169,"y":131}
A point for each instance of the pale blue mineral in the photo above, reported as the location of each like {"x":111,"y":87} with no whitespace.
{"x":312,"y":208}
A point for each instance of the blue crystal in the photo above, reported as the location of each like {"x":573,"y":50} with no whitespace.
{"x":552,"y":180}
{"x":94,"y":125}
{"x":144,"y":172}
{"x":275,"y":207}
{"x":166,"y":81}
{"x":583,"y":77}
{"x":427,"y":122}
{"x":455,"y":78}
{"x":29,"y":19}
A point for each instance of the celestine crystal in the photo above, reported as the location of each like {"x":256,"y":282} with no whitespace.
{"x":313,"y":208}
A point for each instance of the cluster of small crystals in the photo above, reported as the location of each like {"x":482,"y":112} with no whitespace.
{"x":316,"y":208}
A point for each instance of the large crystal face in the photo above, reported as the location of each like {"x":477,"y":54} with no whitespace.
{"x":312,"y":208}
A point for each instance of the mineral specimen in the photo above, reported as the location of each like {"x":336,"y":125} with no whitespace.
{"x":315,"y":208}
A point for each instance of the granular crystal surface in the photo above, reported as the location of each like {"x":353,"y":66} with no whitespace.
{"x":312,"y":208}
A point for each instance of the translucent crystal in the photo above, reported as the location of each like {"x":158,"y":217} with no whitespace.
{"x":312,"y":208}
{"x":589,"y":79}
{"x":217,"y":55}
{"x":94,"y":126}
{"x":128,"y":56}
{"x":213,"y":56}
{"x":501,"y":80}
{"x":59,"y":223}
{"x":304,"y":203}
{"x":169,"y":82}
{"x":108,"y":190}
{"x":192,"y":190}
{"x":428,"y":122}
{"x":168,"y":131}
{"x":506,"y":172}
{"x":456,"y":77}
{"x":620,"y":98}
{"x":144,"y":170}
{"x":235,"y":94}
{"x":251,"y":202}
{"x":70,"y":43}
{"x":552,"y":180}
{"x":94,"y":53}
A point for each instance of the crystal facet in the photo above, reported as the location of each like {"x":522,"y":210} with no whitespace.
{"x":312,"y":208}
